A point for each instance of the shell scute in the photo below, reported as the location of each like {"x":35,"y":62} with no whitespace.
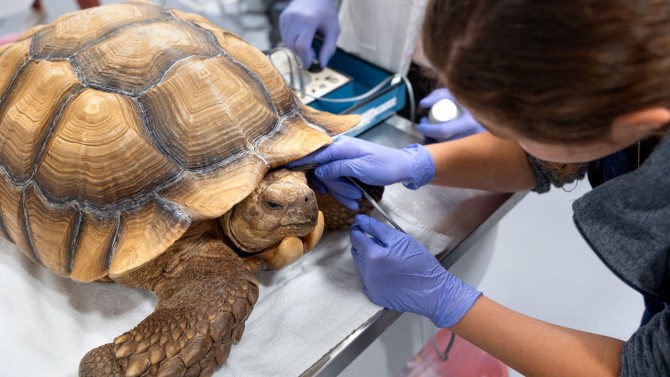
{"x":257,"y":63}
{"x":30,"y":32}
{"x":144,"y":234}
{"x":137,"y":58}
{"x":98,"y":129}
{"x":293,"y":140}
{"x":74,"y":31}
{"x":211,"y":194}
{"x":92,"y":250}
{"x":251,"y":59}
{"x":28,"y":113}
{"x":51,"y":231}
{"x":12,"y":57}
{"x":11,"y":209}
{"x":206,"y":112}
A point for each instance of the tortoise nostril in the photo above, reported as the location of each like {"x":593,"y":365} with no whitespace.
{"x":306,"y":199}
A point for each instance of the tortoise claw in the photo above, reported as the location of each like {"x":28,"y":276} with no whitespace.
{"x":100,"y":362}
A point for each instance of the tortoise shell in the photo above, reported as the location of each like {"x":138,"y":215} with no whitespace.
{"x":121,"y":125}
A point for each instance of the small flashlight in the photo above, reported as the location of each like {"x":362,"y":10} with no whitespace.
{"x":444,"y":110}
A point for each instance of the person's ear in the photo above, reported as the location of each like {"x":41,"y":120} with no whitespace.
{"x":642,"y":122}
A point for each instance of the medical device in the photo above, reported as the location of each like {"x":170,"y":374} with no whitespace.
{"x":348,"y":85}
{"x":309,"y":84}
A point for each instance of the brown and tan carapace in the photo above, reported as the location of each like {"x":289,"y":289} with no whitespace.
{"x":135,"y":145}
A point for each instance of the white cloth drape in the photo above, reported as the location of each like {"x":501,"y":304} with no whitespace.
{"x":383,"y":32}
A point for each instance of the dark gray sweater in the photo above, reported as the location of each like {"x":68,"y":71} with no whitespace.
{"x":626,"y":221}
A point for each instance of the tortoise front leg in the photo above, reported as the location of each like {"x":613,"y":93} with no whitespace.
{"x":205,"y":294}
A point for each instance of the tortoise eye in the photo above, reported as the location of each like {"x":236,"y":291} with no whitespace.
{"x":273,"y":205}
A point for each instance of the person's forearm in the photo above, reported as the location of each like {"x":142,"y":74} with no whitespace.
{"x":482,"y":161}
{"x":536,"y":348}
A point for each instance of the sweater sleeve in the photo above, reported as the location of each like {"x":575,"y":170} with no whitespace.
{"x":647,"y":352}
{"x":545,"y":176}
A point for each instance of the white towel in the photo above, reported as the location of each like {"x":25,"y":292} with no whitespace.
{"x":48,"y":323}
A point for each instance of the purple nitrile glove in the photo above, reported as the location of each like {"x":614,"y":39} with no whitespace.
{"x":464,"y":125}
{"x":301,"y":20}
{"x":370,"y":163}
{"x":400,"y":274}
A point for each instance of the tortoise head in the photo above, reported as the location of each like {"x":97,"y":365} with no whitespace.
{"x":283,"y":205}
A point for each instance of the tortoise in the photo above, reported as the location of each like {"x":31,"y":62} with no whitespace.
{"x":144,"y":145}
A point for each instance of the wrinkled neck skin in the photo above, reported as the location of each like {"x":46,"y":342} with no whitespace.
{"x":282,"y":205}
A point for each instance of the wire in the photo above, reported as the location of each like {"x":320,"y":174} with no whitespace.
{"x":410,"y":97}
{"x":290,"y":56}
{"x":444,"y":356}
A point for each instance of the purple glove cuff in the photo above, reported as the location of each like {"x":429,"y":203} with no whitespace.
{"x":453,"y":306}
{"x":422,"y":168}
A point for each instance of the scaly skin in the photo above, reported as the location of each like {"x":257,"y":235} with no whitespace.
{"x":205,"y":290}
{"x":205,"y":294}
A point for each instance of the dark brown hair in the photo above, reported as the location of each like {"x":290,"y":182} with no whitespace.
{"x":552,"y":70}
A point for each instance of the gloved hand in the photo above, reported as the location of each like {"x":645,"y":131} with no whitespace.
{"x":462,"y":126}
{"x":301,"y":20}
{"x":400,"y":274}
{"x":370,"y":163}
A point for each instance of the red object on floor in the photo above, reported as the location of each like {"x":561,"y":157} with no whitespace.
{"x":465,"y":360}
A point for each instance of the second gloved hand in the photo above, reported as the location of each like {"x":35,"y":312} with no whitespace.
{"x":300,"y":21}
{"x":400,"y":274}
{"x":464,"y":125}
{"x":370,"y":163}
